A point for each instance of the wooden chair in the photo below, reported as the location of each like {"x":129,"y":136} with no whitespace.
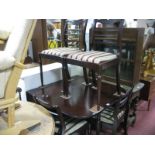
{"x":59,"y":54}
{"x":11,"y":65}
{"x":130,"y":58}
{"x":106,"y":37}
{"x":64,"y":125}
{"x":98,"y":60}
{"x":116,"y":112}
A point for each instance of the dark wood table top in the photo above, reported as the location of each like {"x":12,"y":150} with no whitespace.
{"x":83,"y":98}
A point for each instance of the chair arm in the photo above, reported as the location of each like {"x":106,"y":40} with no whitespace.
{"x":6,"y":61}
{"x":19,"y":65}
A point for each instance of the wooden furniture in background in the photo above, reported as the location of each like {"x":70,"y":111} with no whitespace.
{"x":73,"y":33}
{"x":148,"y":92}
{"x":39,"y":39}
{"x":108,"y":23}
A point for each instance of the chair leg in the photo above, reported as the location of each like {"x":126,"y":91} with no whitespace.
{"x":93,"y":78}
{"x":85,"y":75}
{"x":114,"y":129}
{"x":11,"y":116}
{"x":99,"y":90}
{"x":125,"y":125}
{"x":67,"y":73}
{"x":89,"y":128}
{"x":41,"y":72}
{"x":98,"y":125}
{"x":65,"y":80}
{"x":149,"y":103}
{"x":118,"y":78}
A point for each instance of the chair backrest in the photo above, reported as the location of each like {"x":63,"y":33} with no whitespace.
{"x":107,"y":35}
{"x":129,"y":41}
{"x":17,"y":46}
{"x":109,"y":23}
{"x":73,"y":33}
{"x":105,"y":39}
{"x":121,"y":103}
{"x":19,"y":39}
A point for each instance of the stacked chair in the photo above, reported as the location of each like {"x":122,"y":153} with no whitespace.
{"x":73,"y":40}
{"x":96,"y":60}
{"x":113,"y":116}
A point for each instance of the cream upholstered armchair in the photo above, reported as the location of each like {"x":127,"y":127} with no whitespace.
{"x":11,"y":63}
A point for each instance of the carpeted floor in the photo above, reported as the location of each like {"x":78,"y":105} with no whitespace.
{"x":145,"y":122}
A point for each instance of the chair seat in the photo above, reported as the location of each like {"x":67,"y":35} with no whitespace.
{"x":71,"y":125}
{"x":107,"y":115}
{"x":60,"y":52}
{"x":92,"y":57}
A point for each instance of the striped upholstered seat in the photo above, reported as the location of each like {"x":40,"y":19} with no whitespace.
{"x":72,"y":126}
{"x":60,"y":52}
{"x":92,"y":57}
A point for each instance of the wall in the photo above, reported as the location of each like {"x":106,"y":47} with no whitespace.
{"x":30,"y":78}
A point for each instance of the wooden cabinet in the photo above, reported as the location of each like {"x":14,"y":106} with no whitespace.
{"x":148,"y":92}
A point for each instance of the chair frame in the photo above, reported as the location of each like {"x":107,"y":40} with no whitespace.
{"x":9,"y":99}
{"x":57,"y":114}
{"x":120,"y":102}
{"x":99,"y":67}
{"x":62,"y":60}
